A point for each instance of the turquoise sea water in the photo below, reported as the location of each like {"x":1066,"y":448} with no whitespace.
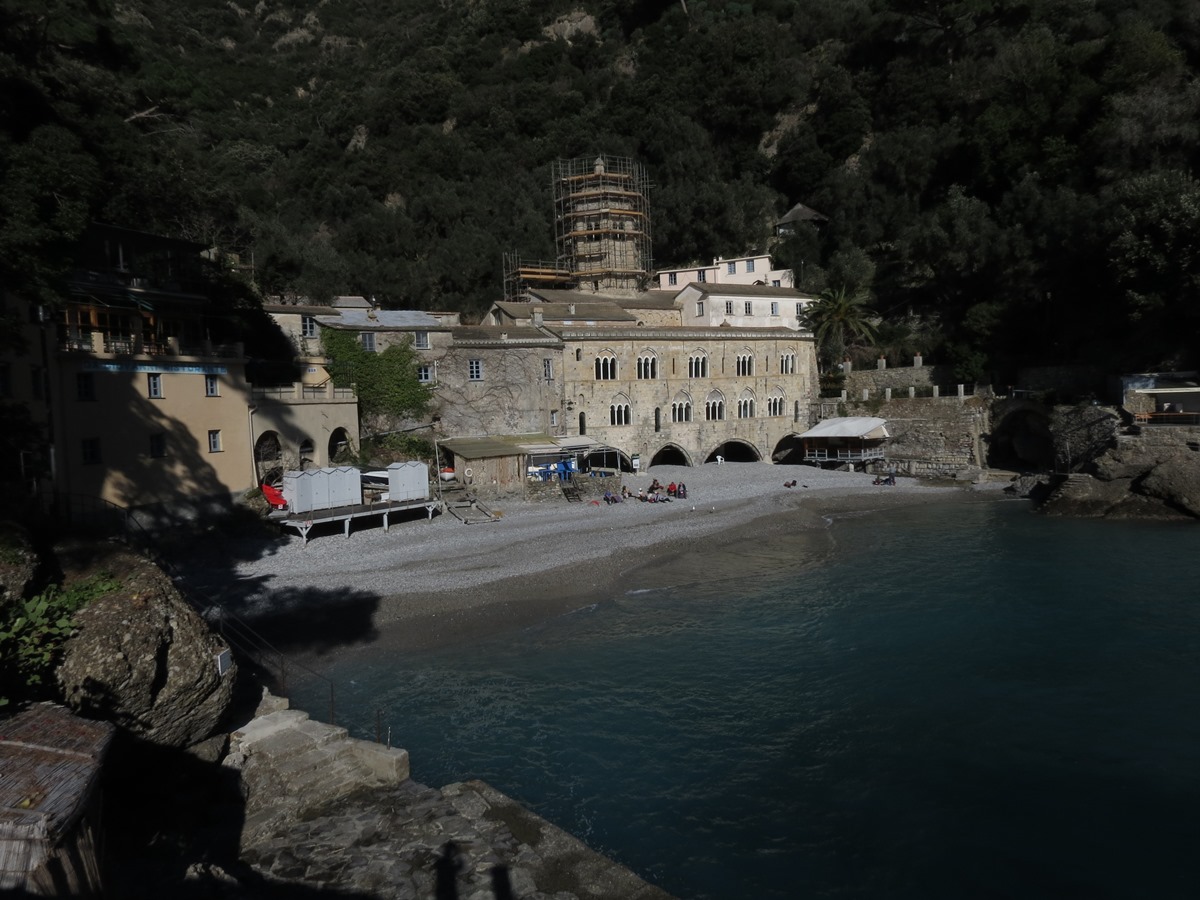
{"x":946,"y":701}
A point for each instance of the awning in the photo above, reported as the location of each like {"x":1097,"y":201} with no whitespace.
{"x":514,"y":445}
{"x":865,"y":427}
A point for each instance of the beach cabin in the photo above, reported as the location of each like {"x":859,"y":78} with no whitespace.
{"x":50,"y":826}
{"x":506,"y":464}
{"x":846,"y":440}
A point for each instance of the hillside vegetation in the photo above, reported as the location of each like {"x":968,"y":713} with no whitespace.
{"x":1019,"y":176}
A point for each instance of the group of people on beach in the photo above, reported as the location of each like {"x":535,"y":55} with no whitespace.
{"x":658,"y":493}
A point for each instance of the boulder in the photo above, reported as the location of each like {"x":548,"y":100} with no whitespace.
{"x":143,"y":659}
{"x":1175,"y":481}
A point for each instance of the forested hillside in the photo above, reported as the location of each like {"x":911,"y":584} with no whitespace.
{"x":1020,"y":175}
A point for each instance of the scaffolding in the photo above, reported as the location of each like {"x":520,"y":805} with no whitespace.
{"x":602,"y":222}
{"x":522,"y":274}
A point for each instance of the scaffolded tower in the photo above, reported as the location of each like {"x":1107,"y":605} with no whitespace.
{"x":602,"y":222}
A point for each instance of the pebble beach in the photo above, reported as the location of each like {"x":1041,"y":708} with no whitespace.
{"x":431,"y":582}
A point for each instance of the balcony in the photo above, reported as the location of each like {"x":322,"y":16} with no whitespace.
{"x":98,"y":343}
{"x":298,"y":392}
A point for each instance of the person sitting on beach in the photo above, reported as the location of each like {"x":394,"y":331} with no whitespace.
{"x":655,"y":486}
{"x":662,"y":498}
{"x":610,"y":498}
{"x":671,"y":489}
{"x":681,"y":491}
{"x":625,"y":494}
{"x":642,"y":495}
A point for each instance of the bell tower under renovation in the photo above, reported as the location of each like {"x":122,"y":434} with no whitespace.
{"x":602,"y":222}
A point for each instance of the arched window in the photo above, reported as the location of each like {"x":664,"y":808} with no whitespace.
{"x":606,"y":366}
{"x":745,"y":364}
{"x":714,"y":407}
{"x":619,"y":412}
{"x":746,"y":405}
{"x":681,"y":407}
{"x":787,"y":363}
{"x":698,"y":365}
{"x":657,"y":419}
{"x":578,"y":354}
{"x":776,"y":403}
{"x":647,"y":365}
{"x":583,"y":423}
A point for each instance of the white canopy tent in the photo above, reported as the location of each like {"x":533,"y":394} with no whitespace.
{"x":847,"y":439}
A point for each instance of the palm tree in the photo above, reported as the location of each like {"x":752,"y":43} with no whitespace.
{"x":837,"y":319}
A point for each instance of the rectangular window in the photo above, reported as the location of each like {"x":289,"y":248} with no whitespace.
{"x":158,"y":445}
{"x":475,"y":369}
{"x":154,"y":388}
{"x":425,"y":374}
{"x":548,"y":369}
{"x":421,"y":340}
{"x":672,"y":279}
{"x":774,"y":307}
{"x":699,"y":307}
{"x":85,"y":386}
{"x":701,"y":275}
{"x":90,"y":449}
{"x":749,"y":308}
{"x":774,"y":282}
{"x":731,"y":268}
{"x":749,"y":266}
{"x":799,"y":310}
{"x":553,"y":418}
{"x":368,"y":341}
{"x":212,"y":386}
{"x":214,"y":441}
{"x":308,"y":327}
{"x":729,"y":307}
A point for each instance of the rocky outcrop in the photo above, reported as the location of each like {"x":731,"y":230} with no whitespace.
{"x":1154,"y":474}
{"x":324,"y":810}
{"x":142,"y":658}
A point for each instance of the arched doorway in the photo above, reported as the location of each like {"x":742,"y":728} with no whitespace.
{"x":671,"y":455}
{"x":608,"y":458}
{"x":340,"y":450}
{"x":1022,"y":441}
{"x":789,"y":451}
{"x":268,"y":458}
{"x":734,"y":451}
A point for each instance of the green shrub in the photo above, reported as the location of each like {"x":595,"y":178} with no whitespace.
{"x":33,"y":631}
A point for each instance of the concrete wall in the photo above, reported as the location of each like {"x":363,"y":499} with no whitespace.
{"x":931,"y":436}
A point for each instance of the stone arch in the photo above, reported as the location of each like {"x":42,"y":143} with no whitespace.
{"x":1021,"y":439}
{"x":307,"y":452}
{"x":609,"y":458}
{"x":789,"y":451}
{"x":339,"y":445}
{"x":671,"y":455}
{"x":744,"y":363}
{"x":735,"y":451}
{"x":268,"y":457}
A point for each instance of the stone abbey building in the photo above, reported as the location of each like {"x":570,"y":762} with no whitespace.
{"x":664,"y":376}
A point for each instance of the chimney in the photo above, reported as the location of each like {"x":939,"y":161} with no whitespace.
{"x":537,"y":317}
{"x":504,"y":335}
{"x":571,"y":309}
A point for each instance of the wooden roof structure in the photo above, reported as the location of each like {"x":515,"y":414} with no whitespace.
{"x":50,"y":765}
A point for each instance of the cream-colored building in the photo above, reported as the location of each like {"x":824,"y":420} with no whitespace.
{"x":137,"y":407}
{"x":755,"y":269}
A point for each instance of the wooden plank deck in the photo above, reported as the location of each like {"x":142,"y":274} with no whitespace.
{"x":304,"y":522}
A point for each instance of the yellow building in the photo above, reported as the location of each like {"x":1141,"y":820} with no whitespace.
{"x":136,"y":406}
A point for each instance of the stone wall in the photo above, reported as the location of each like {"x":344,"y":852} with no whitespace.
{"x":930,"y":436}
{"x":898,"y":379}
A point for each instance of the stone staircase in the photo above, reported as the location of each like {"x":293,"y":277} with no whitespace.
{"x":292,"y":766}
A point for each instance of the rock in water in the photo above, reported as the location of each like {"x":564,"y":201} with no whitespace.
{"x":144,"y":660}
